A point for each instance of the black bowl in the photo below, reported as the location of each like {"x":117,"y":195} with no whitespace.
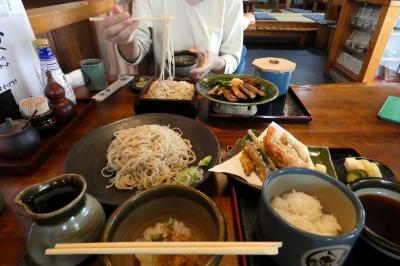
{"x":380,"y":188}
{"x":185,"y":61}
{"x":196,"y":210}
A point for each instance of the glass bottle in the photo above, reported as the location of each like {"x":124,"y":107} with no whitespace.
{"x":48,"y":61}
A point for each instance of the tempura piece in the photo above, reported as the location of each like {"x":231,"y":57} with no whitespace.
{"x":260,"y":168}
{"x":247,"y":164}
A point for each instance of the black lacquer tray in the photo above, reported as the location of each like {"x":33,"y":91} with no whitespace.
{"x":284,"y":109}
{"x":245,"y":201}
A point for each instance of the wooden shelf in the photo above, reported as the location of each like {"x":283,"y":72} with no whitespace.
{"x":354,"y":53}
{"x":360,"y":28}
{"x":45,"y":19}
{"x":376,"y":2}
{"x":347,"y":72}
{"x":379,"y":37}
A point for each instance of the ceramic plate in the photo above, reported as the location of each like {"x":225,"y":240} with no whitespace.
{"x":341,"y":171}
{"x":88,"y":156}
{"x":318,"y":155}
{"x":207,"y":83}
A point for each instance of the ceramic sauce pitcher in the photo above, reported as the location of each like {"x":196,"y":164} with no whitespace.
{"x":62,"y":212}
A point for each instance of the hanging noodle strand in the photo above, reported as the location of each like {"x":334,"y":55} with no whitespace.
{"x":165,"y":87}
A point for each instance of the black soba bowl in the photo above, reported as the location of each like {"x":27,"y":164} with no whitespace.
{"x":185,"y":61}
{"x":381,"y":202}
{"x":157,"y":205}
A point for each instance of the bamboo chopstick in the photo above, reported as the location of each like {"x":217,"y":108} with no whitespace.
{"x":210,"y":248}
{"x":139,"y":19}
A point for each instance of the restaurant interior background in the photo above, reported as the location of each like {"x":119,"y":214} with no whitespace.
{"x":322,"y":37}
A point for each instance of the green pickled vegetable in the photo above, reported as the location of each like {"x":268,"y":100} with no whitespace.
{"x":171,"y":223}
{"x":205,"y":161}
{"x":189,"y":175}
{"x":355,"y":174}
{"x":157,"y":238}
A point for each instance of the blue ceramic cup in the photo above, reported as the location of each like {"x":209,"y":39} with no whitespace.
{"x":301,"y":247}
{"x":94,"y":74}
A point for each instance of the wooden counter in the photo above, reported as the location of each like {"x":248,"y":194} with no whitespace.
{"x":343,"y":116}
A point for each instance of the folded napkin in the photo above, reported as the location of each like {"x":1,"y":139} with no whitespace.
{"x":298,"y":10}
{"x":234,"y":167}
{"x":263,"y":16}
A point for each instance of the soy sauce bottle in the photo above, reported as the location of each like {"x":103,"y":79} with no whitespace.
{"x":63,"y":108}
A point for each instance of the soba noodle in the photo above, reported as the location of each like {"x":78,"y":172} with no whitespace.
{"x":165,"y":87}
{"x":147,"y":156}
{"x":169,"y":89}
{"x":167,"y":52}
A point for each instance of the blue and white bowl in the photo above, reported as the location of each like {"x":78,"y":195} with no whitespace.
{"x":301,"y":247}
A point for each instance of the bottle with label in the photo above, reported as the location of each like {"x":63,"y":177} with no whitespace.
{"x":48,"y":62}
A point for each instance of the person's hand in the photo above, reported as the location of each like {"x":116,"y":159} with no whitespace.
{"x":250,"y":18}
{"x":208,"y":62}
{"x":120,"y":27}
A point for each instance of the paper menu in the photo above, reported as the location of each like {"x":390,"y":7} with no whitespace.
{"x":19,"y":65}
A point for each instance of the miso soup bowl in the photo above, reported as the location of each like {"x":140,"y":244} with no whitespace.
{"x":185,"y":61}
{"x":188,"y":205}
{"x":300,"y":247}
{"x":384,"y":188}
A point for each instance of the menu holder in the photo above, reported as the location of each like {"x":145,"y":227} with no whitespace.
{"x":285,"y":109}
{"x":28,"y":165}
{"x":244,"y":207}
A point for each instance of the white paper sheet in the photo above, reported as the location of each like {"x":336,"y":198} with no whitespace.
{"x":233,"y":165}
{"x":19,"y":65}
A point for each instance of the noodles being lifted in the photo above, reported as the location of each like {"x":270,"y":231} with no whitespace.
{"x":165,"y":87}
{"x":147,"y":156}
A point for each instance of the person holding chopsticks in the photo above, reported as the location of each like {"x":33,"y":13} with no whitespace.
{"x":212,"y":29}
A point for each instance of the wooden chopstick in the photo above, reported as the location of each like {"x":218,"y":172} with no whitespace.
{"x":211,"y":248}
{"x":139,"y":19}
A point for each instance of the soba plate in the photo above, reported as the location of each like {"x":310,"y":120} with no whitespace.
{"x":319,"y":155}
{"x":207,"y":83}
{"x":88,"y":156}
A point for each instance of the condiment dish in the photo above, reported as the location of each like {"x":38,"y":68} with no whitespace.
{"x":381,"y":201}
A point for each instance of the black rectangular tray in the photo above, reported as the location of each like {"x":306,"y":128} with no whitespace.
{"x":245,"y":201}
{"x":28,"y":165}
{"x":179,"y":107}
{"x":285,"y":109}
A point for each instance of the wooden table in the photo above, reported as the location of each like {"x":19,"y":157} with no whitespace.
{"x":343,"y":116}
{"x":288,"y":24}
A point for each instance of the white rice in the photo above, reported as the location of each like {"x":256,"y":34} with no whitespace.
{"x":305,"y":212}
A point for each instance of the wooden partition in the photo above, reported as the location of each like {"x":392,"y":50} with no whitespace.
{"x":71,"y":35}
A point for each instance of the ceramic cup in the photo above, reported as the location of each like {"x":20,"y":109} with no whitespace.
{"x":94,"y":74}
{"x":301,"y":247}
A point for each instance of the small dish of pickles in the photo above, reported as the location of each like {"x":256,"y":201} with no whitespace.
{"x":139,"y":83}
{"x":351,"y":169}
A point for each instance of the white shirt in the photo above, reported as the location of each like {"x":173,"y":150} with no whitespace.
{"x":213,"y":24}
